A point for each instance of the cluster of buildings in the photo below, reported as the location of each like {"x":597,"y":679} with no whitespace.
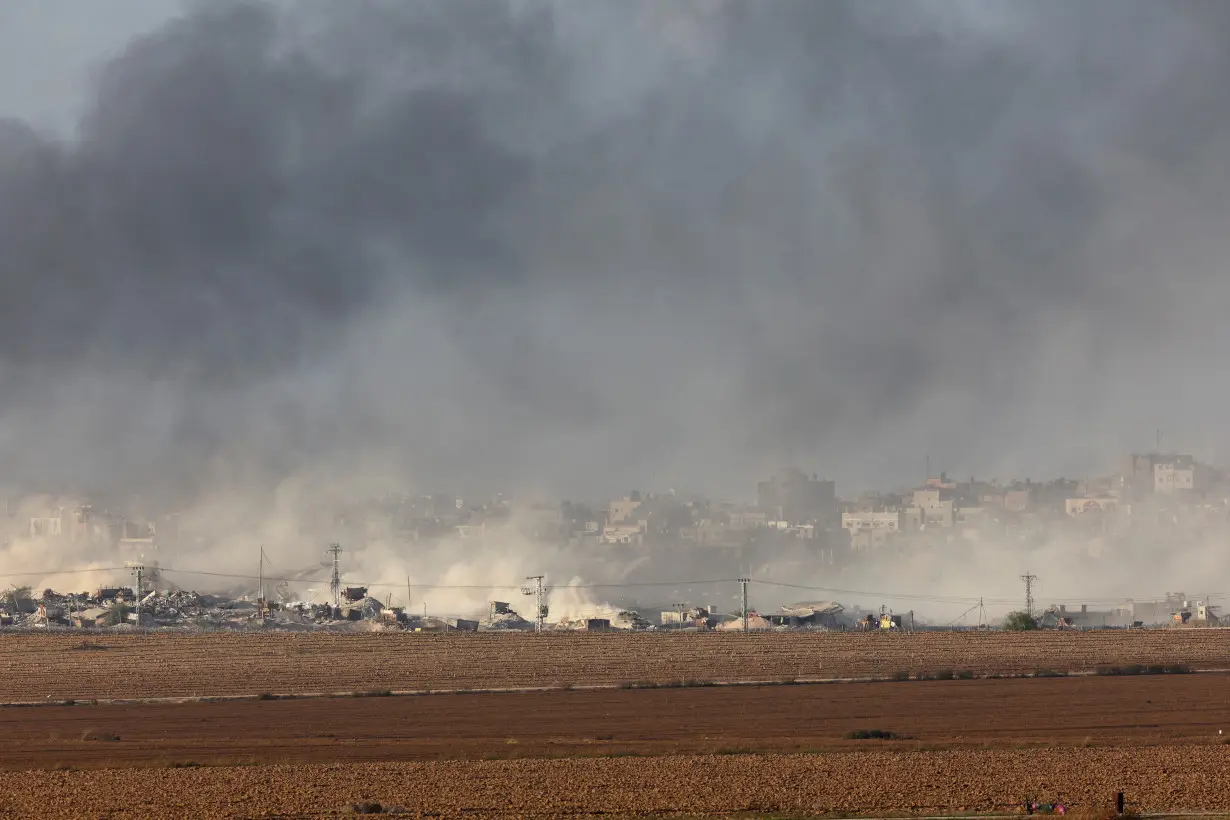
{"x":1152,"y":491}
{"x":1151,"y":488}
{"x":1151,"y":497}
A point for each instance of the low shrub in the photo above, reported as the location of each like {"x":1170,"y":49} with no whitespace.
{"x":903,"y":675}
{"x":1049,"y":673}
{"x":1019,"y":622}
{"x":870,"y":734}
{"x":116,"y":615}
{"x":964,"y":674}
{"x":99,"y":736}
{"x":87,"y":646}
{"x":363,"y":808}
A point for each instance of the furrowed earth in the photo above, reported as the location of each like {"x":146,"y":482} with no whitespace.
{"x":588,"y":743}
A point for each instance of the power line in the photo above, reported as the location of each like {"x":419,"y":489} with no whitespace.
{"x":924,"y":598}
{"x":60,"y":572}
{"x":941,"y":599}
{"x":373,"y":584}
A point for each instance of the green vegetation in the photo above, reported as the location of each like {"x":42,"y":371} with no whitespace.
{"x":1139,"y":669}
{"x":116,"y":615}
{"x":870,"y":734}
{"x":1019,"y":622}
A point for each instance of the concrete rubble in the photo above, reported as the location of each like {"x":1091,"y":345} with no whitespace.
{"x":185,"y":610}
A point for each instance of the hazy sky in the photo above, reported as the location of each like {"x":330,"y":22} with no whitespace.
{"x":579,"y":247}
{"x":49,"y":49}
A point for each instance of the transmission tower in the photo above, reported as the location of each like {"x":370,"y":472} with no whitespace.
{"x":335,"y":582}
{"x":743,"y":582}
{"x":540,"y":606}
{"x":1029,"y":593}
{"x":137,"y":570}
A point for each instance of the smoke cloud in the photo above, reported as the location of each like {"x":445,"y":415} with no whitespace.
{"x":575,"y":248}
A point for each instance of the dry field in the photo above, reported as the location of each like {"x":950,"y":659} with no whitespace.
{"x":59,"y":666}
{"x":958,"y":745}
{"x":876,"y":783}
{"x":964,"y":746}
{"x":1011,"y":713}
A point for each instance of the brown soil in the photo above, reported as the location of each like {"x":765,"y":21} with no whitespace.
{"x":877,"y":783}
{"x":1165,"y":709}
{"x":60,"y":666}
{"x":966,"y":745}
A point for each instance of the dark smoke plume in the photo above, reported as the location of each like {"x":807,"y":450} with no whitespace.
{"x":579,"y":247}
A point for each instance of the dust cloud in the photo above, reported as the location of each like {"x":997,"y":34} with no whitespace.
{"x":291,"y":253}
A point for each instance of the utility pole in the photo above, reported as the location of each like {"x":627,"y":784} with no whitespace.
{"x":1029,"y":593}
{"x":335,"y":583}
{"x":137,"y":571}
{"x":982,"y":614}
{"x":743,"y":582}
{"x":682,"y":609}
{"x":540,"y":612}
{"x":407,"y":596}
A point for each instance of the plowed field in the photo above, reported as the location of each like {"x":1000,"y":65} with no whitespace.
{"x":874,"y":782}
{"x":61,"y":666}
{"x":962,"y":746}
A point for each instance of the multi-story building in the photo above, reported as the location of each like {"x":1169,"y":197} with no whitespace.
{"x":1174,"y":475}
{"x":795,"y":498}
{"x":621,"y":509}
{"x":883,"y":521}
{"x":1165,"y":474}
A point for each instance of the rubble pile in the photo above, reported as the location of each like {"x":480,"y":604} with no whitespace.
{"x":185,"y":610}
{"x":502,"y":616}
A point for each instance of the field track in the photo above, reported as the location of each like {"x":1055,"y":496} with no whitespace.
{"x":967,"y":746}
{"x":76,"y":665}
